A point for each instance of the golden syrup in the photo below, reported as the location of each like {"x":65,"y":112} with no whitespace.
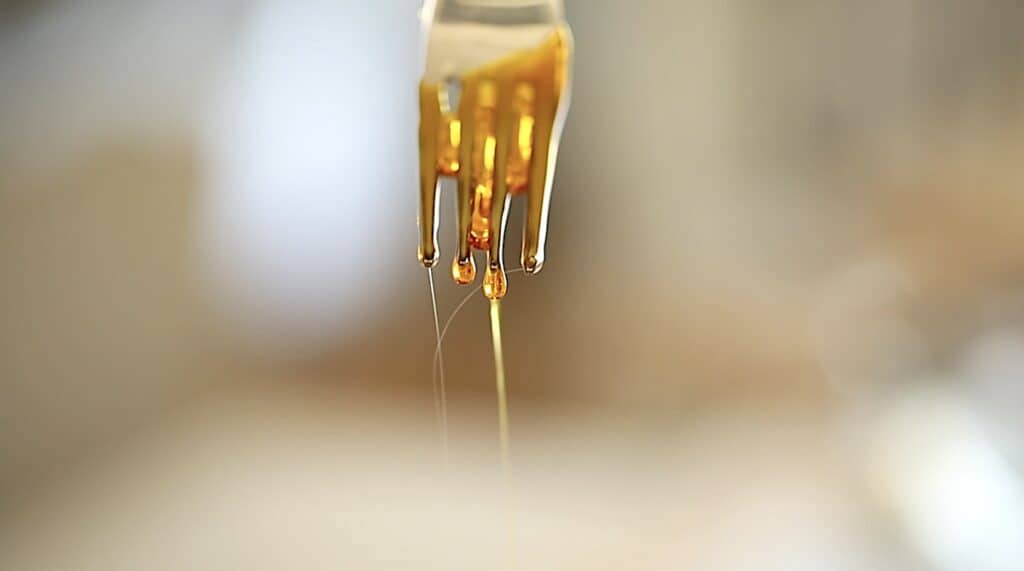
{"x":500,"y":142}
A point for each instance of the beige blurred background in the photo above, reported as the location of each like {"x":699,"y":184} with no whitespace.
{"x":781,"y":325}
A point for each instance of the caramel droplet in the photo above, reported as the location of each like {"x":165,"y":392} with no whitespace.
{"x":495,"y":283}
{"x":464,"y":271}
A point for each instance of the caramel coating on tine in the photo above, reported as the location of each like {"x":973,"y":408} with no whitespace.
{"x":430,"y":115}
{"x":484,"y":113}
{"x":494,"y":279}
{"x":500,"y":142}
{"x":464,"y":255}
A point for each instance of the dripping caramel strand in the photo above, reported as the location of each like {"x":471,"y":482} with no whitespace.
{"x":500,"y":383}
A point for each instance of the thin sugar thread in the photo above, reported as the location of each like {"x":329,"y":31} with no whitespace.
{"x":440,"y":391}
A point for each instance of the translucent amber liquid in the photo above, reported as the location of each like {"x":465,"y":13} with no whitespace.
{"x":499,"y":378}
{"x":498,"y":143}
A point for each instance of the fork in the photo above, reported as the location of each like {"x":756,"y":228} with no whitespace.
{"x":493,"y":101}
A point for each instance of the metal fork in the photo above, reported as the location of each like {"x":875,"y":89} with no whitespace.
{"x":493,"y":100}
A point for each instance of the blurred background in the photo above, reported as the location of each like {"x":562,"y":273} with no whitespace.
{"x":215,"y":340}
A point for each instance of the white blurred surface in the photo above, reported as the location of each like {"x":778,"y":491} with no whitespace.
{"x":306,"y":148}
{"x":279,"y":479}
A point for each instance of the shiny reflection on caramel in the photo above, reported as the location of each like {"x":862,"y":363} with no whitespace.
{"x":501,"y":141}
{"x":449,"y":140}
{"x":495,"y":283}
{"x":464,"y":271}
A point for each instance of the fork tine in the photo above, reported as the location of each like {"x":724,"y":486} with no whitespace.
{"x":546,"y":134}
{"x":463,"y":268}
{"x":430,"y":116}
{"x":538,"y":195}
{"x":495,"y":280}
